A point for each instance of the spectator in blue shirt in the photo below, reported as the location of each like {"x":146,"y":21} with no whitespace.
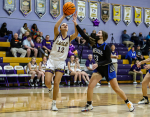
{"x":148,"y":36}
{"x":88,"y":65}
{"x":136,"y":71}
{"x":126,"y":39}
{"x":131,"y":55}
{"x":47,"y":45}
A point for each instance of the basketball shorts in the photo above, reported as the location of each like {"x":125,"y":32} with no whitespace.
{"x":107,"y":71}
{"x":55,"y":66}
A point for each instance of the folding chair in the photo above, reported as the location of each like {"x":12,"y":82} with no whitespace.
{"x":2,"y":75}
{"x":9,"y":71}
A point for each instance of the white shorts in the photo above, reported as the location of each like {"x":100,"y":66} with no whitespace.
{"x":55,"y":66}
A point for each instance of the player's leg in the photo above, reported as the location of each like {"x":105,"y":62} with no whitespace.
{"x":75,"y":74}
{"x":116,"y":88}
{"x":83,"y":76}
{"x":32,"y":78}
{"x":39,"y":74}
{"x":96,"y":77}
{"x":58,"y":76}
{"x":144,"y":89}
{"x":48,"y":79}
{"x":79,"y":76}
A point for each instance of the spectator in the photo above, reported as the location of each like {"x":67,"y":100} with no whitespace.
{"x":33,"y":70}
{"x":114,"y":57}
{"x":131,"y":55}
{"x":141,"y":38}
{"x":135,"y":39}
{"x":5,"y":33}
{"x":73,"y":72}
{"x":16,"y":46}
{"x":126,"y":39}
{"x":148,"y":36}
{"x":25,"y":35}
{"x":23,"y":30}
{"x":136,"y":71}
{"x":38,"y":46}
{"x":41,"y":35}
{"x":88,"y":64}
{"x":29,"y":46}
{"x":139,"y":55}
{"x":34,"y":31}
{"x":80,"y":40}
{"x":47,"y":45}
{"x":42,"y":68}
{"x":93,"y":34}
{"x":83,"y":74}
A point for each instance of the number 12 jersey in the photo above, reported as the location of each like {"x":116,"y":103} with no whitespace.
{"x":60,"y":48}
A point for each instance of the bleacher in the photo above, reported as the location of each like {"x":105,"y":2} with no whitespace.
{"x":13,"y":76}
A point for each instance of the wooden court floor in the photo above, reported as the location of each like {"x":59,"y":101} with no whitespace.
{"x":35,"y":102}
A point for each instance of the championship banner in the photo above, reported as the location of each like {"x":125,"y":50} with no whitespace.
{"x":68,"y":17}
{"x":40,"y":7}
{"x":147,"y":17}
{"x":127,"y":15}
{"x":93,"y":11}
{"x":55,"y":8}
{"x":105,"y":11}
{"x":137,"y":15}
{"x":81,"y":9}
{"x":9,"y":6}
{"x":116,"y":13}
{"x":25,"y":7}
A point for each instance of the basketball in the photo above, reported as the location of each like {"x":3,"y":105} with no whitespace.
{"x":69,"y":8}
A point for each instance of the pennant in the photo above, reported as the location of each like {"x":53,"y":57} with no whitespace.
{"x":137,"y":15}
{"x":127,"y":15}
{"x":116,"y":13}
{"x":105,"y":11}
{"x":81,"y":10}
{"x":147,"y":17}
{"x":93,"y":10}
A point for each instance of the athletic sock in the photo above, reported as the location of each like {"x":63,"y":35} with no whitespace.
{"x":74,"y":81}
{"x":126,"y":101}
{"x":37,"y":80}
{"x":145,"y":97}
{"x":31,"y":80}
{"x":42,"y":82}
{"x":54,"y":101}
{"x":89,"y":102}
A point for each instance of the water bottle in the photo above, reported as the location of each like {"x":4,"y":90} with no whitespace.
{"x":69,"y":83}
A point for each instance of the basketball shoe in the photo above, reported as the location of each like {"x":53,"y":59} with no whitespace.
{"x":130,"y":106}
{"x":143,"y":101}
{"x":54,"y":108}
{"x":87,"y":108}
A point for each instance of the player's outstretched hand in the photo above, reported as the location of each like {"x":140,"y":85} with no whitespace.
{"x":75,"y":17}
{"x":94,"y":66}
{"x":147,"y":67}
{"x":139,"y":64}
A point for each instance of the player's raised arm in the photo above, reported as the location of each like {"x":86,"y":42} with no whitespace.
{"x":74,"y":35}
{"x":56,"y":31}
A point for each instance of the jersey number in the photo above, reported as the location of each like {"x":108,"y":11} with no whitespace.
{"x":61,"y":49}
{"x":96,"y":58}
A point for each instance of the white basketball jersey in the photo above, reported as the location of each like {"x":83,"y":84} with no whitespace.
{"x":60,"y":48}
{"x":72,"y":66}
{"x":43,"y":66}
{"x":32,"y":67}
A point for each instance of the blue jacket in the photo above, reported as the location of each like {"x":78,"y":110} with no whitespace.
{"x":130,"y":54}
{"x":125,"y":37}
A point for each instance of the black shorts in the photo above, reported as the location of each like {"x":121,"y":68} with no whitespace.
{"x":107,"y":71}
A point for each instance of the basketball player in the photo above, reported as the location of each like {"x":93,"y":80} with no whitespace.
{"x":102,"y":68}
{"x":59,"y":52}
{"x":145,"y":82}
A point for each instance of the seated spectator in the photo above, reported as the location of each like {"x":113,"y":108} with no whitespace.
{"x":34,"y":31}
{"x":29,"y":46}
{"x":131,"y":55}
{"x":25,"y":35}
{"x":83,"y":74}
{"x":141,"y":38}
{"x":139,"y":55}
{"x":41,"y":35}
{"x":33,"y":70}
{"x":136,"y":71}
{"x":114,"y":57}
{"x":38,"y":46}
{"x":148,"y":36}
{"x":88,"y":64}
{"x":135,"y":39}
{"x":47,"y":45}
{"x":93,"y":34}
{"x":23,"y":30}
{"x":16,"y":46}
{"x":80,"y":40}
{"x":126,"y":39}
{"x":5,"y":33}
{"x":42,"y":67}
{"x":73,"y":72}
